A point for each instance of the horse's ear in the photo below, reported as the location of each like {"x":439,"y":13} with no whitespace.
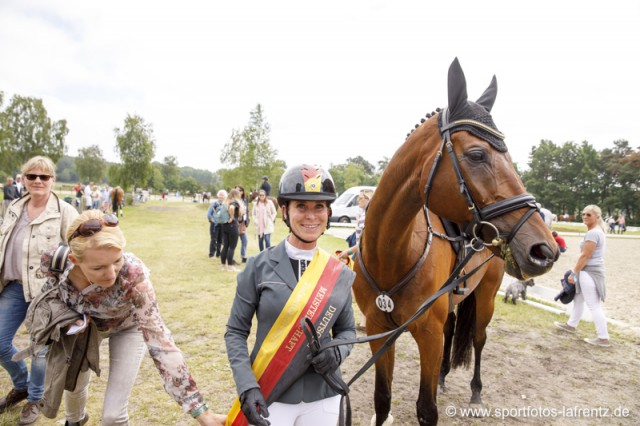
{"x":457,"y":86}
{"x":488,"y":98}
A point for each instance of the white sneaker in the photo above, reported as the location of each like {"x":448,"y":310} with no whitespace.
{"x":564,"y":326}
{"x":598,"y":342}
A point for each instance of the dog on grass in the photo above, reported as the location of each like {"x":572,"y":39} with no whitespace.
{"x":517,"y":288}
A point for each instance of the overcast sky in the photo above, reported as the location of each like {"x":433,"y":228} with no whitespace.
{"x":336,"y":79}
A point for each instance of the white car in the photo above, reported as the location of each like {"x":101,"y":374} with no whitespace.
{"x":345,"y":207}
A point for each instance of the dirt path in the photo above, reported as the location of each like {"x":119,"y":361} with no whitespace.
{"x":531,"y":371}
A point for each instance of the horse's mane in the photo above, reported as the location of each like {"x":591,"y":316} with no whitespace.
{"x":422,"y":120}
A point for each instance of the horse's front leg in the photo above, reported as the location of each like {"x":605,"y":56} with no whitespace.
{"x":383,"y":381}
{"x":430,"y":344}
{"x":479,"y":339}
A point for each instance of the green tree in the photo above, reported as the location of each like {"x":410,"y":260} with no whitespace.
{"x":66,"y":170}
{"x":156,"y":181}
{"x":90,"y":164}
{"x":135,"y":145}
{"x":367,"y":167}
{"x":249,"y":153}
{"x":26,"y":130}
{"x":170,"y":172}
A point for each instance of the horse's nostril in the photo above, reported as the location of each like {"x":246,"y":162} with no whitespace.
{"x":543,"y":252}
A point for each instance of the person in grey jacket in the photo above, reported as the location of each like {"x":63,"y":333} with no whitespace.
{"x":32,"y":225}
{"x":265,"y":286}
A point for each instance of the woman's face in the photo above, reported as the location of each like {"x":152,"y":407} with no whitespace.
{"x":101,"y":266}
{"x":38,"y":187}
{"x":363,"y":200}
{"x":308,"y":220}
{"x":589,"y":218}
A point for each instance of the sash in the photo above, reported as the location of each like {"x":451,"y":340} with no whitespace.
{"x":282,"y":358}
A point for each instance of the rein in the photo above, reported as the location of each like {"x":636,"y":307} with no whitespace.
{"x":336,"y":381}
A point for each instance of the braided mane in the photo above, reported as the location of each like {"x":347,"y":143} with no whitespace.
{"x":422,"y":120}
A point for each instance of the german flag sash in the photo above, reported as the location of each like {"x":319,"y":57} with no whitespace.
{"x":282,"y":358}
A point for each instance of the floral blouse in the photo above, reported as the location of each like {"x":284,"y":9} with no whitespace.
{"x":131,"y":302}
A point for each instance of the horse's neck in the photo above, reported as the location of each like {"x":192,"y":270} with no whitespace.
{"x":398,"y":198}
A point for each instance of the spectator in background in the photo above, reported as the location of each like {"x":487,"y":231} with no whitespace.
{"x":622,"y":224}
{"x":244,"y":220}
{"x":39,"y":213}
{"x":265,"y":185}
{"x":562,"y":245}
{"x":588,"y":277}
{"x":234,"y":207}
{"x":19,"y":184}
{"x":10,"y":193}
{"x":264,"y":216}
{"x":215,"y":227}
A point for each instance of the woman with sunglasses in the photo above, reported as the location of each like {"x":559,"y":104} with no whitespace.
{"x":33,"y":224}
{"x":588,"y":277}
{"x":264,"y":216}
{"x":112,"y":289}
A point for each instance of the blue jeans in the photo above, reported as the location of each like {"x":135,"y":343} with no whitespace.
{"x":243,"y":245}
{"x":264,"y":241}
{"x":13,"y":310}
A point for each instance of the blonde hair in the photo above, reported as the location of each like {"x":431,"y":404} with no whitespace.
{"x":598,"y":213}
{"x":367,"y":193}
{"x":234,"y":195}
{"x":107,"y":237}
{"x":39,"y":162}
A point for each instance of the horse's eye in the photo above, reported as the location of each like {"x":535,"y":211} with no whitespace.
{"x":476,"y":155}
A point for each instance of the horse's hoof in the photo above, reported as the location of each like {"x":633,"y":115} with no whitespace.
{"x":387,"y":422}
{"x":478,"y":409}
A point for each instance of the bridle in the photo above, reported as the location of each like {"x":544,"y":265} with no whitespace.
{"x":481,"y":216}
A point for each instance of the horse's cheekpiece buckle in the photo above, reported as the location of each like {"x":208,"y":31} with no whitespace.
{"x":384,"y":303}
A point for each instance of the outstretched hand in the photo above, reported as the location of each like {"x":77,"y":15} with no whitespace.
{"x":209,"y":418}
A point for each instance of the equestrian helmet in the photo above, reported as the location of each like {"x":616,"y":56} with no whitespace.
{"x":307,"y":183}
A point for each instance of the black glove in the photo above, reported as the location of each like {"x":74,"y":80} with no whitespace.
{"x":254,"y":406}
{"x":326,"y":361}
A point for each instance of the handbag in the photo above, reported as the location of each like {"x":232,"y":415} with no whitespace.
{"x":242,"y":228}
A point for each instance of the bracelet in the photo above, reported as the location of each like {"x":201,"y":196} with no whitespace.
{"x":199,"y":410}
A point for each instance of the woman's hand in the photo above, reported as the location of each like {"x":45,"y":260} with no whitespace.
{"x":209,"y":418}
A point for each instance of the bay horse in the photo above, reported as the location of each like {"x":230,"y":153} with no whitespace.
{"x":453,"y":173}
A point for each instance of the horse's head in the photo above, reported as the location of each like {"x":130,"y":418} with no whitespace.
{"x":491,"y":203}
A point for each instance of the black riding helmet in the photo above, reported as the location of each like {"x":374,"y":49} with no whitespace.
{"x":305,"y":182}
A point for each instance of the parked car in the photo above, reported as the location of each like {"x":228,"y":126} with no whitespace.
{"x":345,"y":207}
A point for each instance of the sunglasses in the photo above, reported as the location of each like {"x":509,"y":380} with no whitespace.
{"x":586,"y":214}
{"x":43,"y":178}
{"x":262,"y":195}
{"x":93,"y":226}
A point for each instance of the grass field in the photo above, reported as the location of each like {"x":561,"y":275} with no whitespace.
{"x":195,"y":297}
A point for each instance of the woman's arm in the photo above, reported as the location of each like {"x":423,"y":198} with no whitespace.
{"x":587,"y":251}
{"x":231,"y":209}
{"x":168,"y":359}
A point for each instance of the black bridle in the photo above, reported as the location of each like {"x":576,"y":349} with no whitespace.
{"x":481,"y":216}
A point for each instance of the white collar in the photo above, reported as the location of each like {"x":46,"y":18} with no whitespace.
{"x":296,"y":253}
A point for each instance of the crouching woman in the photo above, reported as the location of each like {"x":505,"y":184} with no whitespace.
{"x":111,"y":292}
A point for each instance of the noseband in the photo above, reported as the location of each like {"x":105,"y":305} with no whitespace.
{"x":481,"y":216}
